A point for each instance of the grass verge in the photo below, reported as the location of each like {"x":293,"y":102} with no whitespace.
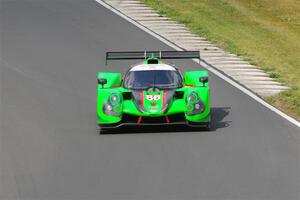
{"x":264,"y":32}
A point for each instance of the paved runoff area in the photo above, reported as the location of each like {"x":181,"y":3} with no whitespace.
{"x":240,"y":70}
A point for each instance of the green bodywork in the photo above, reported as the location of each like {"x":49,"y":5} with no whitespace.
{"x":152,"y":108}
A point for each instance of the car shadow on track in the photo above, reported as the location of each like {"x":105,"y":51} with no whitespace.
{"x":217,"y":116}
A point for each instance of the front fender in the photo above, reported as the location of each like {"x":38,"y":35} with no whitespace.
{"x":102,"y":97}
{"x":204,"y":94}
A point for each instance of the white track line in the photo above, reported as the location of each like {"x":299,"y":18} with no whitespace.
{"x":205,"y":65}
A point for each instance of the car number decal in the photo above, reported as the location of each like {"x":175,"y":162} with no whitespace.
{"x":155,"y":97}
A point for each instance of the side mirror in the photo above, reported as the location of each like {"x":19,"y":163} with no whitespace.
{"x":203,"y":80}
{"x":102,"y":81}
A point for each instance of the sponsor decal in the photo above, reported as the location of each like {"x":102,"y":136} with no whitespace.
{"x":153,"y":110}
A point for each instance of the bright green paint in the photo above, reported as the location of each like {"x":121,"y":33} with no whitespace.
{"x":192,"y":78}
{"x":113,"y":79}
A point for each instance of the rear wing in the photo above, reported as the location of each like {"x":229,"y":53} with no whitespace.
{"x":138,"y":55}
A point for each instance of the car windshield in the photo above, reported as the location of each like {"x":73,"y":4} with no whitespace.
{"x":164,"y":79}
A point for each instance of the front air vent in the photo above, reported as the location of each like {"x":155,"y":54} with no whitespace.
{"x":152,"y":61}
{"x":127,"y":95}
{"x":178,"y":95}
{"x":175,"y":118}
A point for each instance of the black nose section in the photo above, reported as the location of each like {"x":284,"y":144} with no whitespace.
{"x":138,"y":99}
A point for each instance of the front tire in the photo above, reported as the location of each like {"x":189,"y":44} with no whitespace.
{"x":200,"y":126}
{"x":104,"y":131}
{"x":208,"y":127}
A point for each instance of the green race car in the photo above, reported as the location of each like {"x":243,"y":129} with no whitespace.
{"x":153,"y":92}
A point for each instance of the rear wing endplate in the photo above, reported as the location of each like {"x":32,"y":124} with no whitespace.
{"x":138,"y":55}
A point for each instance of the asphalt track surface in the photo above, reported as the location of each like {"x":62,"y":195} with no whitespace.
{"x":49,"y":144}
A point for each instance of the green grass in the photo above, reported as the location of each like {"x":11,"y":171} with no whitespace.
{"x":264,"y":32}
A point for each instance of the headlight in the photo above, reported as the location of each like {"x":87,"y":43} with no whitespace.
{"x":108,"y":107}
{"x":194,"y":105}
{"x":114,"y":99}
{"x":192,"y":98}
{"x":112,"y":107}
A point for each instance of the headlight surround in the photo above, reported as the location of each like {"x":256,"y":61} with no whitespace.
{"x":194,"y":105}
{"x":112,"y":106}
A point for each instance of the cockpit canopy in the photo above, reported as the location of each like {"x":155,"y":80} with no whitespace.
{"x":160,"y":76}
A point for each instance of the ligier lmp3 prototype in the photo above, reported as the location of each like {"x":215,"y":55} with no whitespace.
{"x":153,"y":92}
